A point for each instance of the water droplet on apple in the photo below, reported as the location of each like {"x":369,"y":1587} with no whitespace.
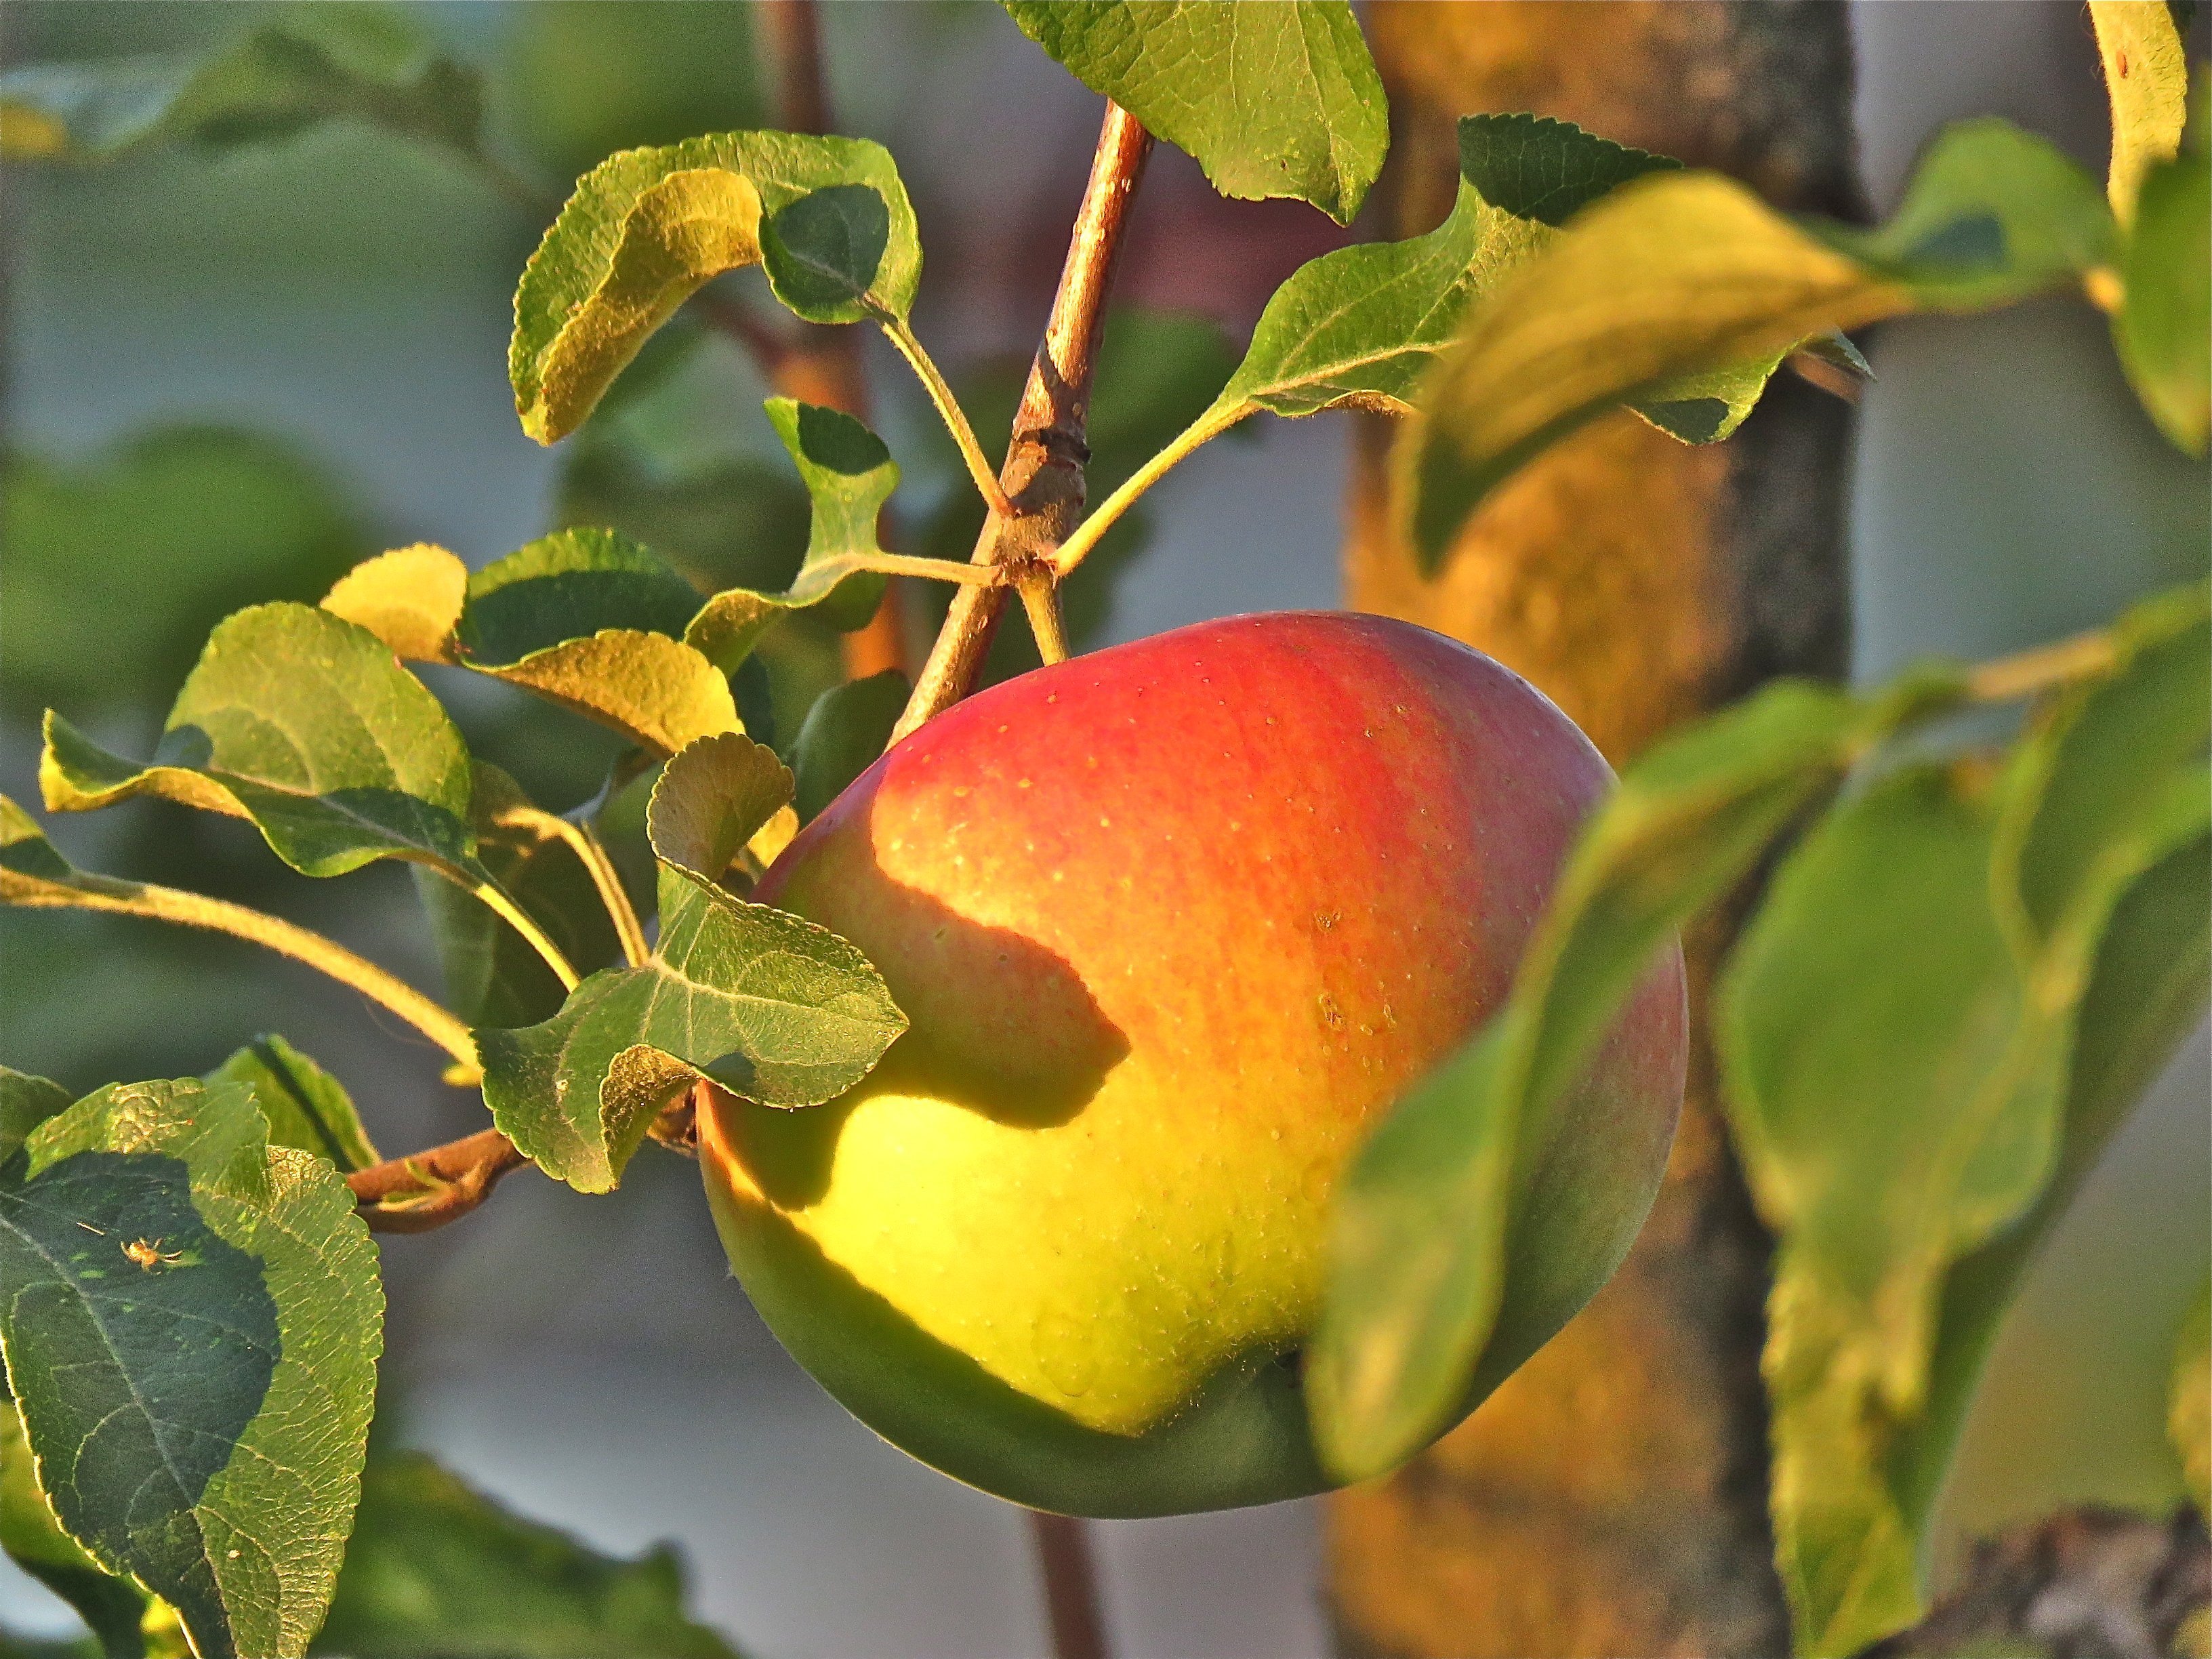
{"x":1065,"y":1344}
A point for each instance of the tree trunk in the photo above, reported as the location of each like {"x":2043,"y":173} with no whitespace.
{"x":1610,"y":1499}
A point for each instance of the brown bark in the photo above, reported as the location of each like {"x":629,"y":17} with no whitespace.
{"x":1610,"y":1499}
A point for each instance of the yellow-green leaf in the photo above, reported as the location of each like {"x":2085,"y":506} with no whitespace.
{"x":2189,"y":1419}
{"x":409,"y":597}
{"x":305,"y":724}
{"x":2147,"y":80}
{"x":1681,"y":274}
{"x":827,"y":217}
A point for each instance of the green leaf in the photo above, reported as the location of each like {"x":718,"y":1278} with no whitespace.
{"x":192,"y":1332}
{"x":1897,"y":1031}
{"x":827,"y":217}
{"x":492,"y":975}
{"x":1708,"y":406}
{"x":34,"y":1541}
{"x":303,"y":723}
{"x":2147,"y":80}
{"x":842,"y":735}
{"x":848,"y":475}
{"x":1417,"y":1246}
{"x":769,"y":1006}
{"x":711,"y":800}
{"x":1361,"y":326}
{"x":2163,"y":329}
{"x":306,"y":1107}
{"x":2096,"y":778}
{"x":306,"y":65}
{"x":590,"y":620}
{"x":1687,"y":273}
{"x":568,"y":585}
{"x":26,"y":1101}
{"x":1534,"y":167}
{"x":1869,"y":1024}
{"x":118,"y":566}
{"x":2189,"y":1415}
{"x":437,"y":1570}
{"x":409,"y":597}
{"x":1279,"y":99}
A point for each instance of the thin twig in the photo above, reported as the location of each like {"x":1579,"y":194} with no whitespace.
{"x":2040,"y":668}
{"x":87,"y":892}
{"x":429,"y":1188}
{"x":2092,"y":1580}
{"x":1043,"y":470}
{"x":1071,"y":1586}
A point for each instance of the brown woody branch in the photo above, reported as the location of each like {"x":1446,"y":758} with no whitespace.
{"x":1043,"y":474}
{"x":2091,"y":1583}
{"x":429,"y":1188}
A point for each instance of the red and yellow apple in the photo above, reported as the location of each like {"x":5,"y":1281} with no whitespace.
{"x":1174,"y":923}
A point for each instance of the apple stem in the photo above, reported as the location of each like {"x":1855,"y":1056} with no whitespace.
{"x":1043,"y":474}
{"x":1071,"y":1586}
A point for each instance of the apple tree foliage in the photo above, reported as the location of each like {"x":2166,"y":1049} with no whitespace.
{"x":1969,"y":960}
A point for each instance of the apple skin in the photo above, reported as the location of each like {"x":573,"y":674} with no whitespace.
{"x":1174,"y":922}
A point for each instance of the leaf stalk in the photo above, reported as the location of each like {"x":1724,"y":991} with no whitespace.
{"x":87,"y":892}
{"x":591,"y":853}
{"x":1088,"y":534}
{"x":948,"y":409}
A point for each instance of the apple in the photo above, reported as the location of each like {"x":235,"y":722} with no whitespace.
{"x":1175,"y":923}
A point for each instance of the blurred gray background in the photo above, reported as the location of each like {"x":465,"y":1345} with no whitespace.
{"x":590,"y":1360}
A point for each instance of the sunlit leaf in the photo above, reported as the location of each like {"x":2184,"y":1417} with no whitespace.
{"x":33,"y":1540}
{"x":827,"y":217}
{"x":1417,"y":1244}
{"x":712,"y":800}
{"x":192,"y":1333}
{"x":769,"y":1006}
{"x":299,"y":66}
{"x":842,"y":735}
{"x":26,"y":1101}
{"x":437,"y":1570}
{"x":305,"y":724}
{"x":592,"y":621}
{"x":569,"y":586}
{"x":1278,"y":99}
{"x":1687,"y":273}
{"x":409,"y":597}
{"x":2147,"y":80}
{"x":2164,"y":326}
{"x":304,"y":1105}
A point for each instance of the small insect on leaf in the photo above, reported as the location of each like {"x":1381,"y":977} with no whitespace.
{"x":149,"y":1254}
